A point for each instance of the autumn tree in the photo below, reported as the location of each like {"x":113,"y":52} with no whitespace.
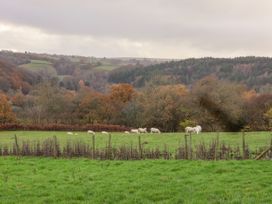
{"x":218,"y":103}
{"x":163,"y":106}
{"x":268,"y":115}
{"x":258,"y":112}
{"x":115,"y":101}
{"x":6,"y":113}
{"x":50,"y":102}
{"x":89,"y":106}
{"x":132,"y":112}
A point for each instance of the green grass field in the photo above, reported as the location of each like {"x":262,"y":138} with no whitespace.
{"x":40,"y":65}
{"x":45,"y":180}
{"x":106,"y":67}
{"x":172,"y":140}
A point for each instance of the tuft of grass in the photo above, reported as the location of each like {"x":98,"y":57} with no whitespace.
{"x":149,"y":181}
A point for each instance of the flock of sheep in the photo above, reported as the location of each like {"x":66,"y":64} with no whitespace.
{"x":197,"y":129}
{"x":137,"y":131}
{"x":143,"y":130}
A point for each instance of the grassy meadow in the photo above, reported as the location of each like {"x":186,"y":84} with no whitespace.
{"x":45,"y":180}
{"x":40,"y":65}
{"x":80,"y":180}
{"x":172,"y":140}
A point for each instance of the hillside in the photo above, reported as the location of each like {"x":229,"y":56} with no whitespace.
{"x":255,"y":72}
{"x":69,"y":70}
{"x":44,"y":89}
{"x":98,"y":73}
{"x":12,"y":78}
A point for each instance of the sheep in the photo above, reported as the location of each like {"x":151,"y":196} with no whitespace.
{"x":69,"y":133}
{"x":91,"y":132}
{"x":154,"y":130}
{"x":134,"y":131}
{"x":104,"y":132}
{"x":126,"y":132}
{"x":198,"y":129}
{"x":190,"y":129}
{"x":142,"y":130}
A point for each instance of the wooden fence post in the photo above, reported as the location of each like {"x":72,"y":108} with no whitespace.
{"x":191,"y":149}
{"x":186,"y":146}
{"x":244,"y":145}
{"x":55,"y":146}
{"x":216,"y":145}
{"x":16,"y":145}
{"x":109,"y":148}
{"x":140,"y":147}
{"x":93,"y":143}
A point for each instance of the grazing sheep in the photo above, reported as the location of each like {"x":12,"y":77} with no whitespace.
{"x":104,"y":132}
{"x":142,"y":130}
{"x":154,"y":130}
{"x":134,"y":131}
{"x":189,"y":129}
{"x":69,"y":133}
{"x":198,"y":129}
{"x":91,"y":132}
{"x":127,"y":132}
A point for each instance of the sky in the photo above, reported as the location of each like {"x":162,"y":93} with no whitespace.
{"x":138,"y":28}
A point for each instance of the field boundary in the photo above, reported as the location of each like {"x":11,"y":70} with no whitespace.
{"x":213,"y":150}
{"x":64,"y":127}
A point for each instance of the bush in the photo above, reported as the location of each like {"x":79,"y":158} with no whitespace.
{"x":63,"y":127}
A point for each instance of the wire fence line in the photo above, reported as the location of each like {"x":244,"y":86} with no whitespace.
{"x":212,"y":150}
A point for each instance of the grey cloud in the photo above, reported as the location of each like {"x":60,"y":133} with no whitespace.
{"x":210,"y":26}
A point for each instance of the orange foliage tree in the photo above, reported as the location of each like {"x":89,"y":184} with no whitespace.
{"x":89,"y":107}
{"x":162,"y":106}
{"x":115,"y":101}
{"x":6,"y":114}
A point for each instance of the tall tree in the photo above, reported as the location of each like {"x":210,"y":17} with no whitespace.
{"x":163,"y":106}
{"x":219,"y":102}
{"x":6,"y":113}
{"x":116,"y":100}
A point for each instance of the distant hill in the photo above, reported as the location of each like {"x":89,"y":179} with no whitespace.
{"x":69,"y":70}
{"x":12,"y":78}
{"x":255,"y":72}
{"x":98,"y":73}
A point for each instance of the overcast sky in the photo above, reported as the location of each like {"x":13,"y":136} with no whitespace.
{"x":138,"y":28}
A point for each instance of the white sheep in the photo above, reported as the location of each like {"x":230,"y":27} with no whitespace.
{"x":154,"y":130}
{"x":91,"y":132}
{"x":104,"y":132}
{"x":142,"y":130}
{"x":189,"y":129}
{"x":134,"y":131}
{"x":126,"y":132}
{"x":69,"y":133}
{"x":198,"y":129}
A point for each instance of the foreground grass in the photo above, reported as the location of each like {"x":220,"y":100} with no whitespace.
{"x":45,"y":180}
{"x":254,"y":139}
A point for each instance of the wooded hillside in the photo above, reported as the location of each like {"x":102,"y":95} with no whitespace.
{"x":219,"y":94}
{"x":255,"y":72}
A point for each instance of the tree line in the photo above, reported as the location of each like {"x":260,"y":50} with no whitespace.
{"x":213,"y":103}
{"x":255,"y":72}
